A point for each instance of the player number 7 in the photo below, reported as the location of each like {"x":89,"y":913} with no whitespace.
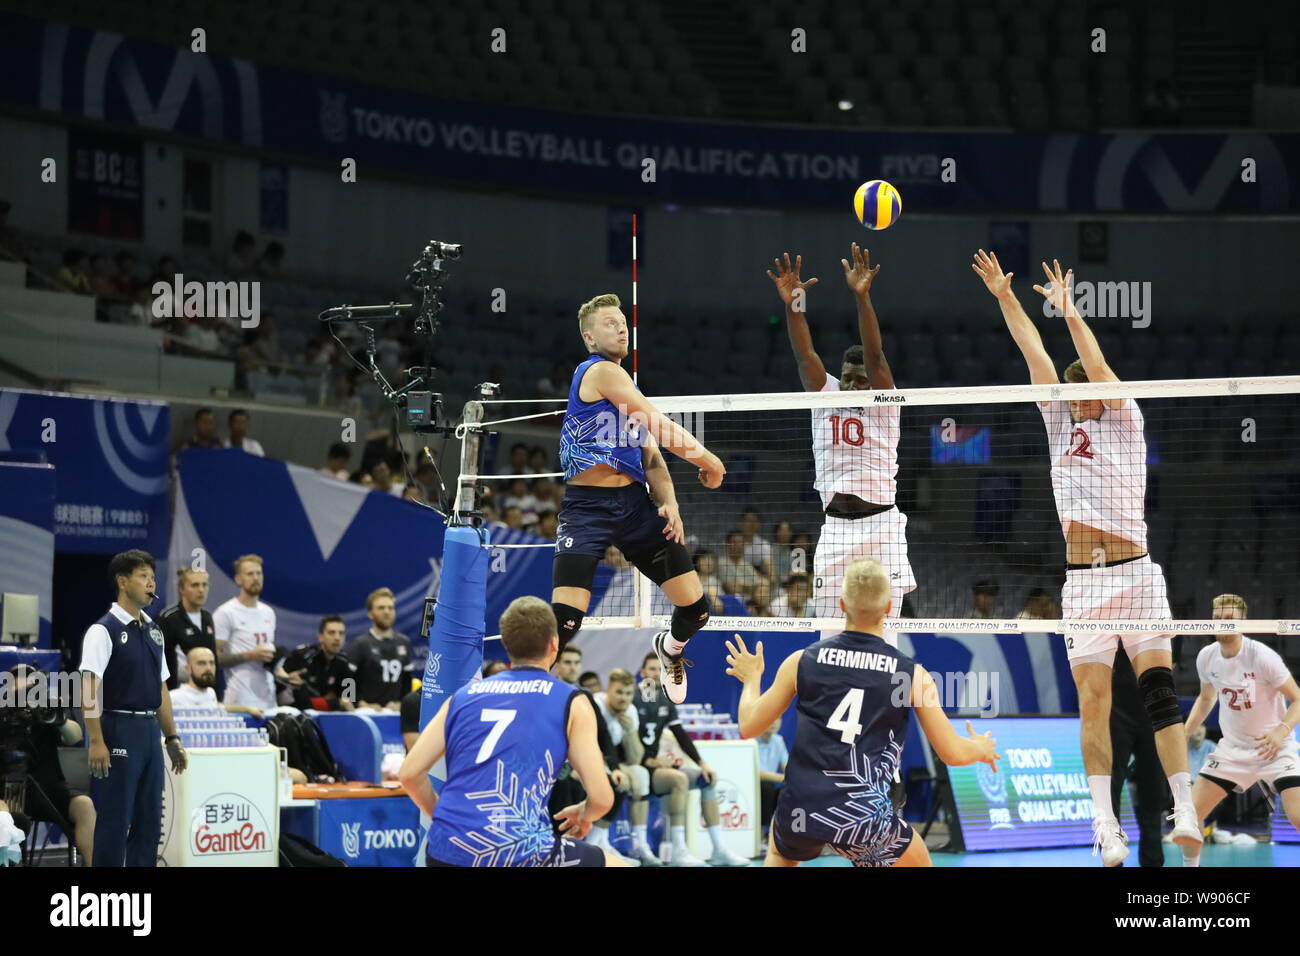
{"x":847,"y":713}
{"x":502,"y":719}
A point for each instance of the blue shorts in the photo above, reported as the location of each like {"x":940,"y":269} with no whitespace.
{"x":865,"y":830}
{"x":593,"y":518}
{"x":566,"y":852}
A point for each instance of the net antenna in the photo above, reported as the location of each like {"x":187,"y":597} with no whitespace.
{"x":423,"y":405}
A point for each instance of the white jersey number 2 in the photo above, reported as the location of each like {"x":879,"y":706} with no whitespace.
{"x":847,"y":713}
{"x":502,"y":720}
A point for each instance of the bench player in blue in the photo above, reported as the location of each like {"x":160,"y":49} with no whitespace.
{"x":505,"y":737}
{"x":610,"y":444}
{"x":854,"y":692}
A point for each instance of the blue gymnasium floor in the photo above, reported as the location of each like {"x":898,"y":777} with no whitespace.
{"x":1262,"y":854}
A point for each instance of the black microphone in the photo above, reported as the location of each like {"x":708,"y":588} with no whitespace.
{"x":153,"y":597}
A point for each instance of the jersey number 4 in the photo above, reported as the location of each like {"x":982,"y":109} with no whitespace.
{"x":846,"y":431}
{"x":501,"y":719}
{"x":846,"y":716}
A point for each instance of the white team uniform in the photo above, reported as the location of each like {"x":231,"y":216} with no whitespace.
{"x":855,"y":451}
{"x":249,"y":684}
{"x":1248,"y":688}
{"x":1099,"y":479}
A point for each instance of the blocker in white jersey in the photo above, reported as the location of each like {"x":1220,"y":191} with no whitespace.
{"x":242,"y":628}
{"x":855,"y":452}
{"x":1248,"y":688}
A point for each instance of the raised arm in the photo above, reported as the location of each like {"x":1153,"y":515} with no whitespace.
{"x":1201,"y":708}
{"x":954,"y":750}
{"x":428,"y":750}
{"x":1058,"y":292}
{"x":859,"y":277}
{"x":759,"y":708}
{"x":812,"y":373}
{"x":1030,"y":343}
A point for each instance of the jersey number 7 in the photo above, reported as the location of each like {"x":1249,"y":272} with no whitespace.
{"x":846,"y":716}
{"x":501,"y":719}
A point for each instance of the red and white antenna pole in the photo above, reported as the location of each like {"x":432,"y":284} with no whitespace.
{"x":634,"y":299}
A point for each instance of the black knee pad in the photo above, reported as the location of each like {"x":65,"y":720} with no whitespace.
{"x":573,"y":571}
{"x":1158,"y":697}
{"x":568,"y":621}
{"x":689,"y":618}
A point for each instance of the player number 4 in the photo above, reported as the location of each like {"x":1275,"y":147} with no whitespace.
{"x":501,"y":719}
{"x":847,"y":713}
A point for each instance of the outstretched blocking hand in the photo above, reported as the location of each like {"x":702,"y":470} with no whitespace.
{"x":988,"y":268}
{"x":786,"y":278}
{"x":987,"y":745}
{"x":1059,"y":287}
{"x":859,"y":275}
{"x":743,"y":665}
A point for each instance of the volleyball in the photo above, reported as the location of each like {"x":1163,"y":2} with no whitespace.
{"x":877,"y":204}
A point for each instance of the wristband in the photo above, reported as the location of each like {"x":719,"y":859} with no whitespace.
{"x":170,"y":737}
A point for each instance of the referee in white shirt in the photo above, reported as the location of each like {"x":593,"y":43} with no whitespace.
{"x":124,"y":700}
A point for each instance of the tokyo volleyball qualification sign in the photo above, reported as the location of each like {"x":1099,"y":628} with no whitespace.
{"x":1039,"y":796}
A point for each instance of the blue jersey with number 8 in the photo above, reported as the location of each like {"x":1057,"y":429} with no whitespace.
{"x":507,"y":737}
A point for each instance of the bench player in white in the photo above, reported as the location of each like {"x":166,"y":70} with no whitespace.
{"x":855,"y":448}
{"x":1099,"y":477}
{"x":1249,"y":681}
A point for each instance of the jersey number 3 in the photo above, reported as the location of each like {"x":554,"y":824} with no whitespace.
{"x":846,"y":716}
{"x":501,"y":719}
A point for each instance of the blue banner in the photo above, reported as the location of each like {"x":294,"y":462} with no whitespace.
{"x":27,"y":536}
{"x":370,"y":831}
{"x":102,"y":76}
{"x":110,"y":456}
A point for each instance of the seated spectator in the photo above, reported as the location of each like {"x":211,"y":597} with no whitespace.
{"x":706,"y":567}
{"x":426,"y":480}
{"x":801,"y":551}
{"x":556,"y":383}
{"x":72,"y":276}
{"x":271,"y":263}
{"x":782,"y":546}
{"x":166,"y":271}
{"x":1039,"y":606}
{"x":794,"y":602}
{"x":737,"y":574}
{"x":321,"y":673}
{"x":200,"y":690}
{"x":519,"y":496}
{"x":985,"y":595}
{"x":205,"y":431}
{"x":758,"y":550}
{"x":760,"y":602}
{"x":336,"y":461}
{"x":490,"y":518}
{"x":125,"y":280}
{"x":494,"y":667}
{"x":513,"y":518}
{"x":381,"y":479}
{"x":238,"y":425}
{"x":614,"y":706}
{"x":101,"y":279}
{"x":547,"y":524}
{"x":772,"y":758}
{"x":242,"y":263}
{"x":590,"y":682}
{"x":539,"y":461}
{"x":547,"y":493}
{"x":518,"y":463}
{"x":201,"y":334}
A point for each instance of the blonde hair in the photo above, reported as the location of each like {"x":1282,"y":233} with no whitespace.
{"x":1230,"y":600}
{"x":239,"y":561}
{"x":620,"y":676}
{"x":183,"y":573}
{"x":1075,"y":373}
{"x":866,"y":586}
{"x":375,"y":595}
{"x":527,"y":627}
{"x":587,"y":311}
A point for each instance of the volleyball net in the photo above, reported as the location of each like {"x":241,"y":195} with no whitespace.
{"x":1202,"y":474}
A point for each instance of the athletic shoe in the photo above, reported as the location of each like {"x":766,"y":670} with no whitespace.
{"x":645,"y":857}
{"x":1187,"y":829}
{"x":1110,"y":838}
{"x":684,"y":857}
{"x":672,"y":669}
{"x":724,"y":857}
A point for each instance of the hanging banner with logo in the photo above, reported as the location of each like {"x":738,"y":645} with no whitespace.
{"x":110,"y":458}
{"x":370,"y":831}
{"x":133,"y":83}
{"x":105,"y":184}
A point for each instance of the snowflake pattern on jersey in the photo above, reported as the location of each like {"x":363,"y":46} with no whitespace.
{"x":519,"y":829}
{"x":866,"y":828}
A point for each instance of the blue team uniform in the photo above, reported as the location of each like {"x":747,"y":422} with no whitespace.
{"x":506,"y":740}
{"x":591,"y":518}
{"x":837,"y":780}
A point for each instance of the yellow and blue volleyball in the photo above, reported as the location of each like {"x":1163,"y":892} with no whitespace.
{"x":877,"y":204}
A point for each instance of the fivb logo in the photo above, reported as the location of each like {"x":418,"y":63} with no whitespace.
{"x":75,"y":909}
{"x":220,"y":300}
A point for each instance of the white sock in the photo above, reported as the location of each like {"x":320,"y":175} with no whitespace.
{"x":638,"y":836}
{"x":1099,"y":784}
{"x":715,"y":835}
{"x":673,"y":646}
{"x":599,"y":836}
{"x":679,"y":837}
{"x":1180,"y":784}
{"x":1191,"y":860}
